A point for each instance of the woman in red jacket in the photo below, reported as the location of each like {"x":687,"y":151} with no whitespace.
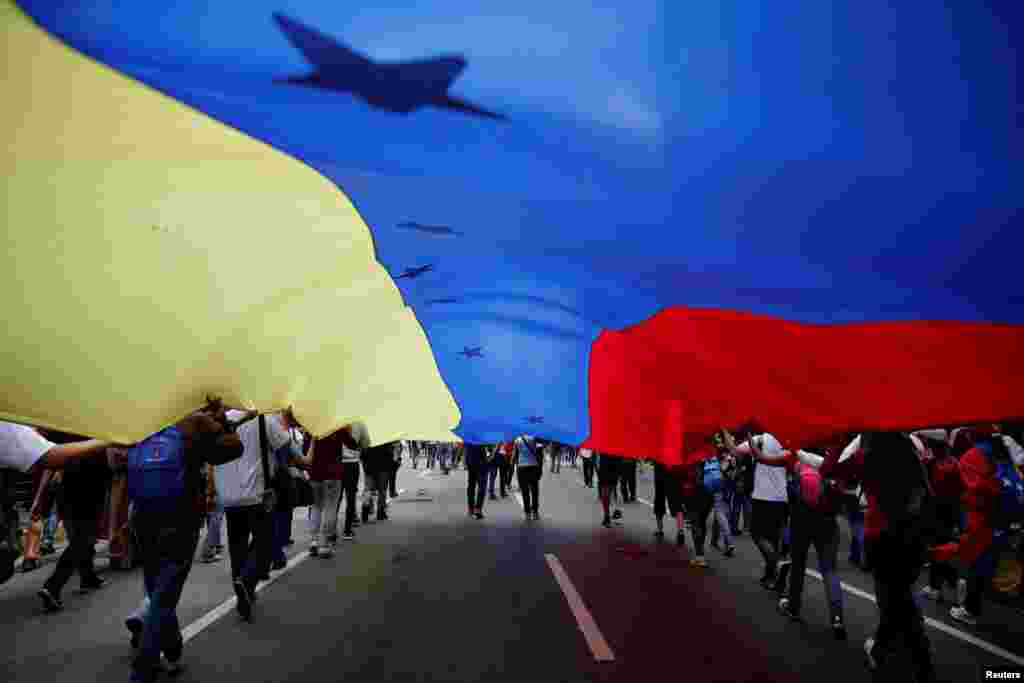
{"x":980,"y":544}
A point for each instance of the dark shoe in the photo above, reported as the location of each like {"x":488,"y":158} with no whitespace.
{"x":349,"y":536}
{"x":536,"y":516}
{"x":382,"y":516}
{"x":617,"y":514}
{"x":786,"y":610}
{"x":838,"y":628}
{"x":244,"y":599}
{"x":767,"y":582}
{"x":278,"y":565}
{"x":479,"y":515}
{"x":314,"y":551}
{"x":51,"y":602}
{"x":607,"y":523}
{"x":134,"y":626}
{"x":493,"y":497}
{"x":659,"y":533}
{"x":680,"y":538}
{"x":29,"y":566}
{"x":93,"y":583}
{"x":290,"y":541}
{"x":730,"y":551}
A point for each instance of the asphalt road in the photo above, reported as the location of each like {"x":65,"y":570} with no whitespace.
{"x":432,"y":595}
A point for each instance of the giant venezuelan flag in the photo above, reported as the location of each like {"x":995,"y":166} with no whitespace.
{"x":632,"y":222}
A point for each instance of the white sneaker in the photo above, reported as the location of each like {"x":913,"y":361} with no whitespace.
{"x":963,"y":616}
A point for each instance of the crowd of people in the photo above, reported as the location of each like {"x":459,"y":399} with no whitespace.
{"x":949,"y":500}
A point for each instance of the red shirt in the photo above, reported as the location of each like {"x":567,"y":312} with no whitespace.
{"x":327,"y":458}
{"x":981,"y":492}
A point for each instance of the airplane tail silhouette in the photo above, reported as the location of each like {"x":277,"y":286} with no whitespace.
{"x":449,"y":102}
{"x":319,"y":49}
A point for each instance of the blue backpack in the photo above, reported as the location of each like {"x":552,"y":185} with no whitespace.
{"x":157,"y":473}
{"x":712,"y":476}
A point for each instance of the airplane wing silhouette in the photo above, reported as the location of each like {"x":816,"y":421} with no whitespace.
{"x":435,"y":74}
{"x":449,"y":102}
{"x":319,"y":49}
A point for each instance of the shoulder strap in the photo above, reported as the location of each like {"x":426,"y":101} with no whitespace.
{"x":263,"y":452}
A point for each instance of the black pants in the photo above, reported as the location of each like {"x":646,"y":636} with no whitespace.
{"x":588,"y":471}
{"x":947,"y":515}
{"x":901,"y":644}
{"x":349,"y":490}
{"x":77,"y":556}
{"x":505,"y":472}
{"x":769,"y":520}
{"x":627,"y":474}
{"x":250,"y":542}
{"x":666,"y":490}
{"x":698,"y":507}
{"x":476,"y":486}
{"x":393,"y":481}
{"x":529,"y":484}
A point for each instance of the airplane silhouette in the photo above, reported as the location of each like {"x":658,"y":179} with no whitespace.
{"x":413,"y":273}
{"x":432,"y":229}
{"x":445,"y":300}
{"x":535,"y":419}
{"x":472,"y":352}
{"x":401,"y":87}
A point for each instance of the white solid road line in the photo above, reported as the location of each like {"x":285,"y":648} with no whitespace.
{"x":197,"y":626}
{"x":585,"y":620}
{"x":934,"y":623}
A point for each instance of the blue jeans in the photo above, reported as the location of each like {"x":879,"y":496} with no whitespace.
{"x":855,"y":517}
{"x":167,"y":554}
{"x":282,"y":530}
{"x":214,"y":523}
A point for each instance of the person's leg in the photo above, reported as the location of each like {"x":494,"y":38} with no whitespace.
{"x":721,"y":513}
{"x":803,"y":532}
{"x":525,"y":490}
{"x":481,"y":486}
{"x":855,"y":518}
{"x":238,"y":522}
{"x":492,"y":475}
{"x":826,"y":545}
{"x":632,"y":480}
{"x":764,"y":530}
{"x":381,"y":485}
{"x":659,"y":501}
{"x":317,"y":512}
{"x":349,"y":485}
{"x":66,"y":564}
{"x":262,"y":547}
{"x":329,"y":519}
{"x":535,"y":483}
{"x":471,"y":482}
{"x":282,"y":527}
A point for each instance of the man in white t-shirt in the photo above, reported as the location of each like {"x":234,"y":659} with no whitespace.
{"x":25,"y":450}
{"x":769,"y":506}
{"x":241,"y":485}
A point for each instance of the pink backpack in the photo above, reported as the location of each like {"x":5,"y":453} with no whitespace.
{"x":812,"y":486}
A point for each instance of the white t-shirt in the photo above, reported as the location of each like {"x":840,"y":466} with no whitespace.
{"x":769,"y":482}
{"x":240,"y":482}
{"x":21,"y":447}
